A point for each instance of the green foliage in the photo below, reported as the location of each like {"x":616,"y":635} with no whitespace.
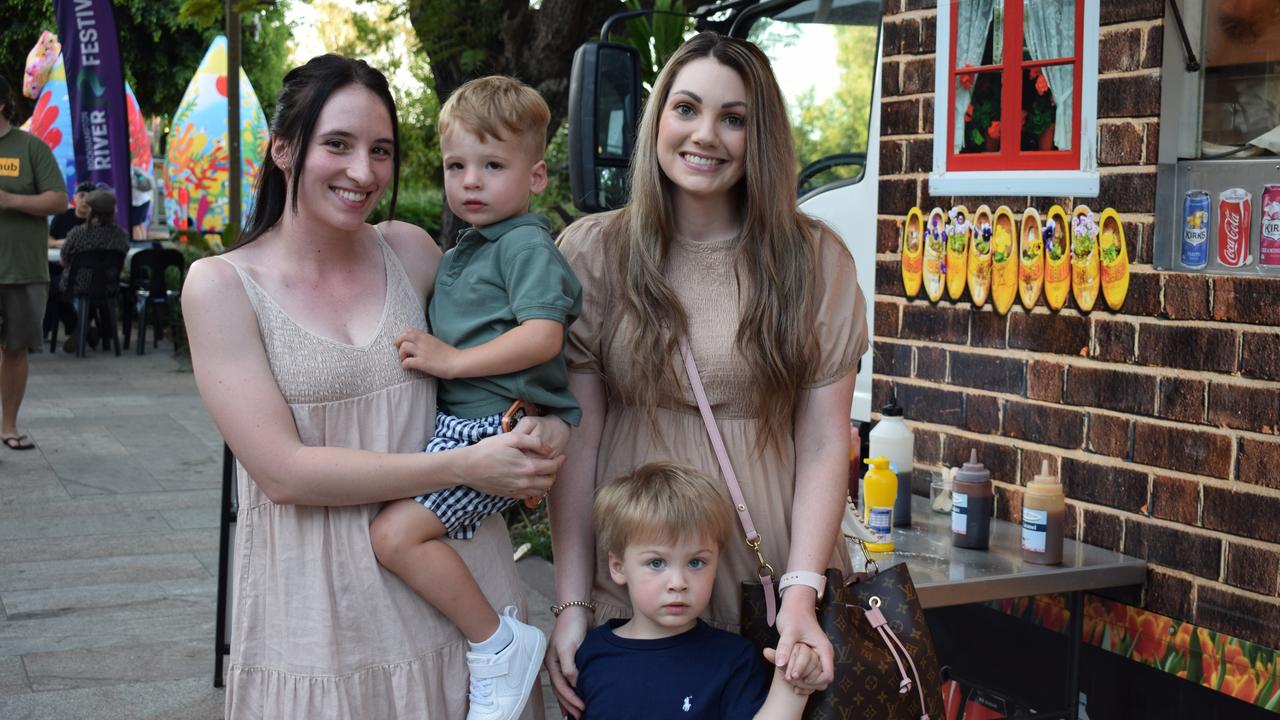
{"x":419,"y":205}
{"x":530,"y":526}
{"x":656,"y":36}
{"x":838,"y":124}
{"x":160,"y":48}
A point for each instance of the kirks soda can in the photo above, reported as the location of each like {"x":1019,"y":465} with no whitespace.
{"x":1269,"y":250}
{"x":1235,"y":211}
{"x":1195,"y":229}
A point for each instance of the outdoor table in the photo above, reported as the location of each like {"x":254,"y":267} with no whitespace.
{"x":946,"y":575}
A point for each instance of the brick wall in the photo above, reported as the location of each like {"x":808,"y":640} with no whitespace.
{"x":1162,"y":419}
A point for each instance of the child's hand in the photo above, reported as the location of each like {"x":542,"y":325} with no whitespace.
{"x":803,"y":665}
{"x":427,"y":354}
{"x":552,"y":431}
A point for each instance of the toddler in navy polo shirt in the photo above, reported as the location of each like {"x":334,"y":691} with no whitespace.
{"x":663,"y":527}
{"x":503,"y":299}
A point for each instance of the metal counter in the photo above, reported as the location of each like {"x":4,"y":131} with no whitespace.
{"x":945,"y":575}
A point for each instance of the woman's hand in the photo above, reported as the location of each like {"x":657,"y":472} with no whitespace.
{"x":571,"y":628}
{"x":551,"y":430}
{"x":509,"y":465}
{"x":798,"y":623}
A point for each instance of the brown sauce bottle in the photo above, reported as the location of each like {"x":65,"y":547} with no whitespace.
{"x":1044,"y":510}
{"x":972,"y":504}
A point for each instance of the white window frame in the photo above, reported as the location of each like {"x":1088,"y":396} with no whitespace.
{"x":1038,"y":183}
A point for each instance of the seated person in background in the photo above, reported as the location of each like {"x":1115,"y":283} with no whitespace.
{"x":663,"y":528}
{"x":73,"y":216}
{"x":99,"y":232}
{"x":139,"y":201}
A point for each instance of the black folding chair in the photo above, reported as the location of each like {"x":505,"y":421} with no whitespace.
{"x":97,"y":274}
{"x":226,"y":542}
{"x":148,"y":292}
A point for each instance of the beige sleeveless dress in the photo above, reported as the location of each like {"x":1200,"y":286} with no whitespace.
{"x":321,"y":630}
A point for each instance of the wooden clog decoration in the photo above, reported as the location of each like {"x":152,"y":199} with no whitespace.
{"x":1057,"y":258}
{"x":935,"y":254}
{"x":1004,"y":260}
{"x":980,"y":257}
{"x":912,"y":252}
{"x":957,"y":251}
{"x":1084,"y":258}
{"x":1030,"y":258}
{"x":1114,"y":258}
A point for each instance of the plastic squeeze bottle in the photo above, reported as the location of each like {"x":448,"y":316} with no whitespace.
{"x":1043,"y":512}
{"x":879,"y":488}
{"x":855,"y":467}
{"x":972,"y":502}
{"x":892,"y":438}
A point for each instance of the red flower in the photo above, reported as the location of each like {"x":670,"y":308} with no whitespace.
{"x":1042,"y":85}
{"x":993,"y":130}
{"x":966,"y":81}
{"x":1034,"y":73}
{"x":968,"y":113}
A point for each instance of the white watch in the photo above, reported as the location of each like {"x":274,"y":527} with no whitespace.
{"x":817,"y":581}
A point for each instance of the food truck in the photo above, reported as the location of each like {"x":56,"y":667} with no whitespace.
{"x":1066,"y":219}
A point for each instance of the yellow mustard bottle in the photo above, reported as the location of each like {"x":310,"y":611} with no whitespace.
{"x":879,"y":490}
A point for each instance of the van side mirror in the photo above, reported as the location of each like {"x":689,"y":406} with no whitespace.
{"x":604,"y":106}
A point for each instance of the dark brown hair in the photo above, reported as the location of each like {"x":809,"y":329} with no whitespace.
{"x":306,"y":89}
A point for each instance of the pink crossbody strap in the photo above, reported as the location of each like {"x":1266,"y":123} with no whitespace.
{"x":730,"y":479}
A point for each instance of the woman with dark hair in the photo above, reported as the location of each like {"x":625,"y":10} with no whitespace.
{"x":711,"y":248}
{"x":292,"y":346}
{"x":99,"y":232}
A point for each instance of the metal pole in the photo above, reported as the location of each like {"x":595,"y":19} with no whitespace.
{"x":233,"y":123}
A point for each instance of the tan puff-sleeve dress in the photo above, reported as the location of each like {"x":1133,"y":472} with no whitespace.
{"x":702,"y":275}
{"x":321,"y":631}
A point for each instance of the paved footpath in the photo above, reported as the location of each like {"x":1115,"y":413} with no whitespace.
{"x":109,"y":545}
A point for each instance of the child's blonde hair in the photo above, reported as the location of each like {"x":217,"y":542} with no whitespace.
{"x":497,"y":107}
{"x":660,"y":502}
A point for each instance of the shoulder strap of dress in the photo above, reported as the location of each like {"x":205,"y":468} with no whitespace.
{"x":251,"y":289}
{"x":393,"y":261}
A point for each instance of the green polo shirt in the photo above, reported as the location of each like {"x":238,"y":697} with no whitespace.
{"x":27,"y":167}
{"x":494,"y":279}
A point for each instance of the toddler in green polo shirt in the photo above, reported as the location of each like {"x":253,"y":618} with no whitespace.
{"x":503,"y":299}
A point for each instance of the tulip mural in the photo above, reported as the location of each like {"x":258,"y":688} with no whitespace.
{"x":197,"y":168}
{"x":1241,"y":669}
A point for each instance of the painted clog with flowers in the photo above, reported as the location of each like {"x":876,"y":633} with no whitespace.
{"x":1004,"y":260}
{"x":1114,"y":258}
{"x":933,"y":273}
{"x":1030,"y":258}
{"x":958,"y":232}
{"x":912,"y":252}
{"x":1057,"y":258}
{"x":980,"y":257}
{"x":1084,"y":258}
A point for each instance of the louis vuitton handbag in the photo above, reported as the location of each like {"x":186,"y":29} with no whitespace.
{"x":885,"y":665}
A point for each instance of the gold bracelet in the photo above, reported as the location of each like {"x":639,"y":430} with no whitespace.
{"x":561,"y":607}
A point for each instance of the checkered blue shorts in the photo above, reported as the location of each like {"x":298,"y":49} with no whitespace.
{"x":461,"y":509}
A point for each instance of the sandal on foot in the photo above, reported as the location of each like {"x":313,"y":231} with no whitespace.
{"x":18,"y":442}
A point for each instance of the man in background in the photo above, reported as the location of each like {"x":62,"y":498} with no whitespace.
{"x":72,"y":216}
{"x":31,"y":189}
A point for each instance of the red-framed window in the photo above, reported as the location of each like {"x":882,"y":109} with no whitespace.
{"x":1033,"y":121}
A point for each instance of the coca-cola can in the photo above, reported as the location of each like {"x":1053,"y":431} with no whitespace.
{"x":1269,"y":242}
{"x":1235,"y":211}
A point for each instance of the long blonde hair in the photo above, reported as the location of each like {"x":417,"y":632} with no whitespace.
{"x":774,"y":254}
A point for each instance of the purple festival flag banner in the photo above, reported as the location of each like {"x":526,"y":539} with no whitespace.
{"x":95,"y":85}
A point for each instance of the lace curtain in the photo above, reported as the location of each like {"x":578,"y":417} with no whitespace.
{"x":972,"y":26}
{"x":1049,"y":27}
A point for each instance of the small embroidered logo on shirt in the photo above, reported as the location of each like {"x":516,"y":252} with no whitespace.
{"x":688,"y":704}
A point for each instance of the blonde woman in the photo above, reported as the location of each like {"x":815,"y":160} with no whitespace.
{"x":711,"y":247}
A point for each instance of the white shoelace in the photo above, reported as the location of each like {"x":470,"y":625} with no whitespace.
{"x":481,"y":690}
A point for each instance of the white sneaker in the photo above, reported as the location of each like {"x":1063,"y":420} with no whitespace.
{"x":501,"y":684}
